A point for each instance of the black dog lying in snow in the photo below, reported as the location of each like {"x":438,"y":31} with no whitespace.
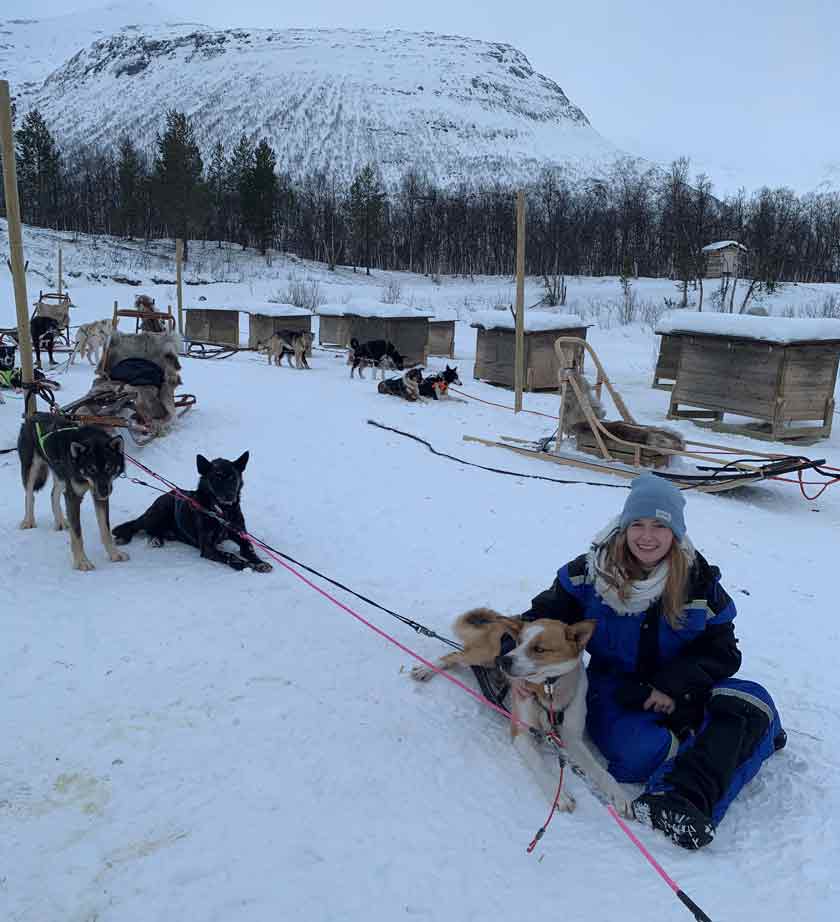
{"x":219,"y":490}
{"x":437,"y":386}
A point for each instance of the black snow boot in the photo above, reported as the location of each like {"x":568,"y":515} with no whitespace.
{"x":685,"y":824}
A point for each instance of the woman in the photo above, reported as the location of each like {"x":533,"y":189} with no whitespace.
{"x":663,"y":707}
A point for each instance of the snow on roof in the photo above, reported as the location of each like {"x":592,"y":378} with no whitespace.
{"x":374,"y":309}
{"x":722,"y":245}
{"x":278,"y":310}
{"x":769,"y":329}
{"x":535,"y":321}
{"x":264,"y":309}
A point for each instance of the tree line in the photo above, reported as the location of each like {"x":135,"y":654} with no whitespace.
{"x":648,"y":222}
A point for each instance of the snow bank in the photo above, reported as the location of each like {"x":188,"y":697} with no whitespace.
{"x":770,"y":329}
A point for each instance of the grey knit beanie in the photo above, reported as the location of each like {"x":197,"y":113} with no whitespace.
{"x":653,"y":497}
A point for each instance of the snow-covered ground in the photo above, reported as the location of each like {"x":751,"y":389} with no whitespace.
{"x":185,"y":742}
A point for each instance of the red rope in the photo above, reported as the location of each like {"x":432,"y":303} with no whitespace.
{"x":542,"y":829}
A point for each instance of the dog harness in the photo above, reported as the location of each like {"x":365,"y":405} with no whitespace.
{"x":43,"y":436}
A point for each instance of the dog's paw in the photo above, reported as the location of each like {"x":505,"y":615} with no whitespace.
{"x":27,"y":523}
{"x":263,"y":567}
{"x":118,"y":556}
{"x":83,"y":564}
{"x":421,"y":673}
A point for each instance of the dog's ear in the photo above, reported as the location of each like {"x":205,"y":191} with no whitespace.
{"x":241,"y":462}
{"x":76,"y":449}
{"x":202,"y":464}
{"x":579,"y":634}
{"x":116,"y":444}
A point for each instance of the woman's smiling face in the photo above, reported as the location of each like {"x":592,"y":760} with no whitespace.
{"x":649,"y":541}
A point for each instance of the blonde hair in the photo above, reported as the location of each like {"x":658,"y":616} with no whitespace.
{"x":625,"y":569}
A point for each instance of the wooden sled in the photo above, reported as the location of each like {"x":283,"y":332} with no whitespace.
{"x":57,"y":307}
{"x":624,"y":447}
{"x":146,"y":410}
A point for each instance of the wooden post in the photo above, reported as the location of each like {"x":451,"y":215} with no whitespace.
{"x":519,"y":367}
{"x":60,"y":275}
{"x":16,"y":264}
{"x":179,"y":260}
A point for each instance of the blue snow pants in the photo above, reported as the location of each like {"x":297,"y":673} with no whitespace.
{"x":639,"y":749}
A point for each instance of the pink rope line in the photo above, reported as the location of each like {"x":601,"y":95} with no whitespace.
{"x":635,"y":840}
{"x":455,"y":681}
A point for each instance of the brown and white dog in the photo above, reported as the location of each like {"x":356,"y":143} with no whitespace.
{"x":547,"y":679}
{"x":289,"y":343}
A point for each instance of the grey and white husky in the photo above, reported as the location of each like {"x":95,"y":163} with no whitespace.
{"x":80,"y":458}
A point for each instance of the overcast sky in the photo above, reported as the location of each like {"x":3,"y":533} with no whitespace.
{"x":747,"y":88}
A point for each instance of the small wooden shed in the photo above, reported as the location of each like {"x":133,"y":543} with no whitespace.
{"x":266,"y":319}
{"x":667,"y":361}
{"x":725,"y":257}
{"x":495,"y":347}
{"x":442,"y":336}
{"x":406,"y":327}
{"x":216,"y":325}
{"x":780,"y":373}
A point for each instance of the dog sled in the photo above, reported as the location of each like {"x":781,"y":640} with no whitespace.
{"x":624,"y":447}
{"x":147,"y":319}
{"x":134,"y":387}
{"x":55,"y":306}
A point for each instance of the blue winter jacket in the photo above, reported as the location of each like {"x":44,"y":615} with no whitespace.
{"x":630,"y":653}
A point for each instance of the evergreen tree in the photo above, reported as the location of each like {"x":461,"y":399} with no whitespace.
{"x":239,"y":167}
{"x":259,"y":195}
{"x":217,"y":191}
{"x":180,"y":193}
{"x":131,"y":178}
{"x":38,"y":171}
{"x":367,"y":206}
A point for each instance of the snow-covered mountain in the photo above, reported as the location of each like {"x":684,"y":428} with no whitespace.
{"x":458,"y":109}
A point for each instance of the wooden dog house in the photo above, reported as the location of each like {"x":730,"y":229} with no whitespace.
{"x":667,"y":361}
{"x":407,"y":328}
{"x":495,"y":348}
{"x":215,"y":325}
{"x":442,"y":336}
{"x":778,"y":372}
{"x":724,"y":258}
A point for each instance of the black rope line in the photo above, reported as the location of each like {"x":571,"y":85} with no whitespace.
{"x":414,"y":625}
{"x":496,"y":470}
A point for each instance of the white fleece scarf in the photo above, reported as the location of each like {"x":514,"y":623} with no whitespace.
{"x":643,"y":592}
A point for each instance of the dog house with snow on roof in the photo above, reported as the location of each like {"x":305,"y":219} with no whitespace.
{"x":778,"y":372}
{"x":495,"y":347}
{"x":724,"y":258}
{"x":406,"y":327}
{"x":267,"y":319}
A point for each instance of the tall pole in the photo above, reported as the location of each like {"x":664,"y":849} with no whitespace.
{"x":519,"y":367}
{"x":16,"y":263}
{"x":179,"y":262}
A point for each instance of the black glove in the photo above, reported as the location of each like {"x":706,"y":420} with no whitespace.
{"x":632,"y":694}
